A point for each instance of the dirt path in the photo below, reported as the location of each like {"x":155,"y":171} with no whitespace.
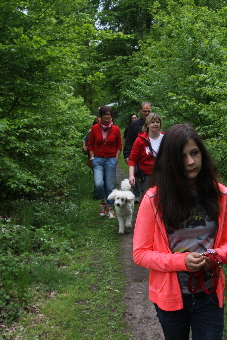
{"x":140,"y":314}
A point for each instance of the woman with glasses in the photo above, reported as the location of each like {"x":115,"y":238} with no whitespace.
{"x":104,"y":147}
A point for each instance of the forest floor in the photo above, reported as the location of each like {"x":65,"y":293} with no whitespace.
{"x":140,"y":314}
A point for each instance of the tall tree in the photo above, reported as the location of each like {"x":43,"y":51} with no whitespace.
{"x":41,"y":44}
{"x":182,"y":66}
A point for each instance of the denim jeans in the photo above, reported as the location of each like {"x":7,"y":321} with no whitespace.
{"x":200,"y":313}
{"x":104,"y":177}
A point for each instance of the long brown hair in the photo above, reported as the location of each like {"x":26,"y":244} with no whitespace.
{"x":174,"y":197}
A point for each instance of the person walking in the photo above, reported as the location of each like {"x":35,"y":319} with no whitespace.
{"x":181,"y":236}
{"x":135,"y":128}
{"x":144,"y":152}
{"x":136,"y":189}
{"x":104,"y":146}
{"x":85,"y":150}
{"x":86,"y":138}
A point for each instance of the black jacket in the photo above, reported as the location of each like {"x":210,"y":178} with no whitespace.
{"x":133,"y":130}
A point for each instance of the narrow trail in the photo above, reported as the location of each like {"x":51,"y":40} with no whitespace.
{"x":140,"y":314}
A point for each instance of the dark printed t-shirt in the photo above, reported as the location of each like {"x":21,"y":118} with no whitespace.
{"x":197,"y":235}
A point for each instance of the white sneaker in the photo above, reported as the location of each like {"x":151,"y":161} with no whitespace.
{"x":111,"y":213}
{"x":103,"y":209}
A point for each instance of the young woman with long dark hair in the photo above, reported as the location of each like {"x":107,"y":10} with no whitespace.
{"x":181,"y":236}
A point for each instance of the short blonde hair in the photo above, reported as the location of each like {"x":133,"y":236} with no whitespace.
{"x":150,"y":118}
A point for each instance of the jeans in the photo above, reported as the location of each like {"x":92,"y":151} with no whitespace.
{"x":104,"y":177}
{"x":200,"y":312}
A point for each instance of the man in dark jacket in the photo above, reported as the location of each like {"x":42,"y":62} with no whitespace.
{"x":135,"y":128}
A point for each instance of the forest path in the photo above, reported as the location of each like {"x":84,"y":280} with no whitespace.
{"x":140,"y":314}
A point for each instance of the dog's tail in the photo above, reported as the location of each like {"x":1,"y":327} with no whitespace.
{"x":125,"y":185}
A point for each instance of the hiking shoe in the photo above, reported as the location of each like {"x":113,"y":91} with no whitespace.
{"x":103,"y":209}
{"x":111,"y":213}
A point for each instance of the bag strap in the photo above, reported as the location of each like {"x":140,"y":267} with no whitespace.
{"x":149,"y":145}
{"x":104,"y":140}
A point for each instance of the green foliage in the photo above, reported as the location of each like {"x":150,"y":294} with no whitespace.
{"x":40,"y":153}
{"x":42,"y":123}
{"x":182,"y":67}
{"x":128,"y":17}
{"x":59,"y":62}
{"x":59,"y":269}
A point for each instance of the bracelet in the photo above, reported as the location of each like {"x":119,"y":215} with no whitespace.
{"x":211,"y":251}
{"x":92,"y":158}
{"x":219,"y":260}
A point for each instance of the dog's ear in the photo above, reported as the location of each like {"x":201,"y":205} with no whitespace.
{"x":112,"y":195}
{"x":130,"y":199}
{"x":130,"y":196}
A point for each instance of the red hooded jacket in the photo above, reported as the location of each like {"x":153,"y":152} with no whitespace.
{"x":141,"y":154}
{"x":151,"y":250}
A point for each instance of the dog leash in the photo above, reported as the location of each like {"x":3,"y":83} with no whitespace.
{"x":216,"y":263}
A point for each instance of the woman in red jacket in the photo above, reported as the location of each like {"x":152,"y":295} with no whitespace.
{"x":181,"y":236}
{"x":144,"y":151}
{"x":104,"y":146}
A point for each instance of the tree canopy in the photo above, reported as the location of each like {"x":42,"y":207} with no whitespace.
{"x":61,"y":60}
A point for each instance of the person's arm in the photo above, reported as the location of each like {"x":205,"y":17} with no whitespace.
{"x":84,"y":147}
{"x":91,"y":153}
{"x":134,"y":160}
{"x":118,"y":154}
{"x":118,"y":144}
{"x":150,"y":242}
{"x":220,"y":244}
{"x":132,"y":175}
{"x":85,"y":141}
{"x":91,"y":142}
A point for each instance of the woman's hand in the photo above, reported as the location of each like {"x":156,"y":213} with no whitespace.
{"x":194,"y":261}
{"x":207,"y":265}
{"x":131,"y":176}
{"x":132,"y":180}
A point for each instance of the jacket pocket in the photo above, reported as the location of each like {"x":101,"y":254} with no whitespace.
{"x":157,"y":281}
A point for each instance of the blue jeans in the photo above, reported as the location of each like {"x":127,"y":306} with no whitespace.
{"x":104,"y":177}
{"x":200,"y":312}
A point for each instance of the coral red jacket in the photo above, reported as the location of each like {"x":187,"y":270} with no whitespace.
{"x":111,"y":145}
{"x":151,"y":250}
{"x":141,"y":154}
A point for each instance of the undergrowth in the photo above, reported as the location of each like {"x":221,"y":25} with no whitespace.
{"x":61,"y":274}
{"x":60,"y":269}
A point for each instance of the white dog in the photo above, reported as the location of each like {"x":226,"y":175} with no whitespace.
{"x":124,"y":205}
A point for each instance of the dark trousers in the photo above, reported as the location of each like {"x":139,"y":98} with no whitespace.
{"x":200,"y":313}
